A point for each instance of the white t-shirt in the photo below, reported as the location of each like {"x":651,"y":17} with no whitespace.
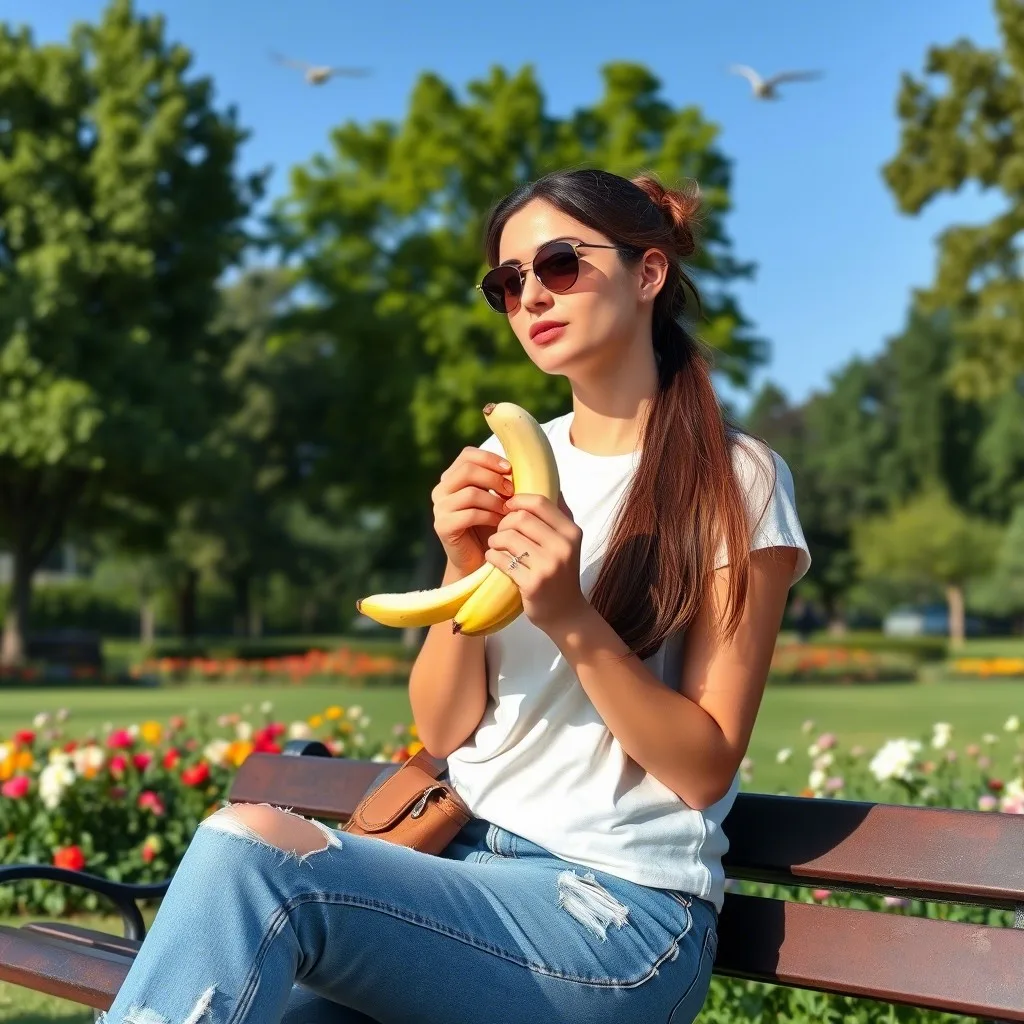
{"x":543,"y":764}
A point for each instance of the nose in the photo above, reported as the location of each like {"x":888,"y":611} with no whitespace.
{"x":535,"y":296}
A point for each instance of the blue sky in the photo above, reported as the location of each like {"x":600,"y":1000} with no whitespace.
{"x":836,"y":261}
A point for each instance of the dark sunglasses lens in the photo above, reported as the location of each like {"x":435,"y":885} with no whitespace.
{"x":502,"y":287}
{"x":557,"y":266}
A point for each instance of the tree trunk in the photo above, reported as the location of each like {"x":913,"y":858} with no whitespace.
{"x":955,"y":604}
{"x":187,"y":605}
{"x":147,"y":621}
{"x":242,"y":603}
{"x":19,"y":604}
{"x":429,"y":571}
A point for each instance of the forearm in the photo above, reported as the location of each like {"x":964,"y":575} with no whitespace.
{"x":448,"y":685}
{"x":666,"y":733}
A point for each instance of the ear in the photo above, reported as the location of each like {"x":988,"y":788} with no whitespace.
{"x":653,"y":271}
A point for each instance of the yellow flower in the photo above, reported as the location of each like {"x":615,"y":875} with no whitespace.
{"x":23,"y":760}
{"x":238,"y":751}
{"x":316,"y":721}
{"x":6,"y":768}
{"x":413,"y":731}
{"x":415,"y":747}
{"x":334,"y":712}
{"x":152,"y":732}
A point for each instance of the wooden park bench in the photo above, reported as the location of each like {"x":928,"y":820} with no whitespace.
{"x":933,"y":854}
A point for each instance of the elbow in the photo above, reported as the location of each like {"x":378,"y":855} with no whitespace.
{"x":700,"y":794}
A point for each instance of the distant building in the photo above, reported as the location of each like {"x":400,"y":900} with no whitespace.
{"x":61,"y":566}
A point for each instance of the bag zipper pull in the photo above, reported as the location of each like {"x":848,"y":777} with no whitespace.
{"x":421,"y":804}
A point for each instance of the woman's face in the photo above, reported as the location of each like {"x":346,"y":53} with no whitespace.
{"x":598,"y":318}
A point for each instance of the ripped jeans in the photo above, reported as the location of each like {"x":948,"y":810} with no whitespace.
{"x":495,"y":930}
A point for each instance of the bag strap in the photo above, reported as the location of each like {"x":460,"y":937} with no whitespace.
{"x":426,"y":762}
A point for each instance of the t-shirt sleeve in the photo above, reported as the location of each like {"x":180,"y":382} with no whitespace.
{"x":767,"y":483}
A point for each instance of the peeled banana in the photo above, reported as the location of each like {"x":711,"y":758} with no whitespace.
{"x":486,"y":600}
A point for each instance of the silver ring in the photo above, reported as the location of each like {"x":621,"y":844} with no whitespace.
{"x":516,"y":559}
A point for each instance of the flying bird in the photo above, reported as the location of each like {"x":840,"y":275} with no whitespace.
{"x":765,"y":88}
{"x":317,"y":74}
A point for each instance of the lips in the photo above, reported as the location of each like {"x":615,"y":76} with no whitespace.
{"x":546,"y":330}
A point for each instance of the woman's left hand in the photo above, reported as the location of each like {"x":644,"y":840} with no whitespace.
{"x":547,"y":542}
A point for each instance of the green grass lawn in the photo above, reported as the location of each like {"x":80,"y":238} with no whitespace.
{"x":857,"y":714}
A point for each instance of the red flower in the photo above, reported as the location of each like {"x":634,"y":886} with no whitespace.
{"x":15,"y":788}
{"x":70,"y":746}
{"x":70,"y":857}
{"x":264,"y":744}
{"x":148,"y":800}
{"x":141,"y":760}
{"x":995,"y":785}
{"x":25,"y":736}
{"x":196,"y":775}
{"x":148,"y":853}
{"x":275,"y":729}
{"x":171,"y":758}
{"x":118,"y":765}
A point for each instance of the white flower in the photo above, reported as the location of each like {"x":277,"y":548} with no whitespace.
{"x":5,"y":751}
{"x":243,"y":730}
{"x":364,"y":721}
{"x":133,"y":731}
{"x":1012,"y":724}
{"x":989,"y":738}
{"x":813,"y":750}
{"x":359,"y":739}
{"x":941,"y":733}
{"x":355,"y":712}
{"x":825,"y":761}
{"x":299,"y":731}
{"x":54,"y":779}
{"x":1015,"y":788}
{"x":807,"y":726}
{"x":378,"y":757}
{"x":58,"y":756}
{"x":62,"y":714}
{"x":783,"y":756}
{"x":216,"y":750}
{"x":816,"y":780}
{"x":267,"y":706}
{"x":89,"y":758}
{"x":41,"y":719}
{"x":894,"y":759}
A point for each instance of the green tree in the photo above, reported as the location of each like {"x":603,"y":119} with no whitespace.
{"x":929,"y":541}
{"x":388,"y":226}
{"x":1002,"y":593}
{"x":969,"y":129}
{"x":119,"y":211}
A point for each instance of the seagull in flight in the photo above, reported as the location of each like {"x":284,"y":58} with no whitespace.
{"x":765,"y":88}
{"x":317,"y":74}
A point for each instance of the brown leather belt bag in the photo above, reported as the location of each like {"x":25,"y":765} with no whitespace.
{"x":412,"y":807}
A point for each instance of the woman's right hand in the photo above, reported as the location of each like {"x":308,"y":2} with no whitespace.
{"x":465,"y":511}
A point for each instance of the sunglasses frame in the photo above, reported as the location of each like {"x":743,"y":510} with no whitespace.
{"x":575,"y":246}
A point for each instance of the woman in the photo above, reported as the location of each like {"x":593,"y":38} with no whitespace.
{"x":597,"y":739}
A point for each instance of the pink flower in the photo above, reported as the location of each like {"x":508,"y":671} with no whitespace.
{"x":15,"y":788}
{"x":1013,"y":804}
{"x":896,"y":901}
{"x":118,"y":765}
{"x":826,"y":741}
{"x":821,"y":894}
{"x":834,"y":784}
{"x":120,"y":739}
{"x":984,"y":762}
{"x":141,"y":760}
{"x":972,"y":750}
{"x":987,"y":802}
{"x":148,"y":800}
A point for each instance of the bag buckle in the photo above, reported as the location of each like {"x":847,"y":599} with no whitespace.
{"x":421,"y":804}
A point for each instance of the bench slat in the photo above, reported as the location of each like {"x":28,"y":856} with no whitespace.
{"x":84,"y":936}
{"x":84,"y":975}
{"x":924,"y":852}
{"x":943,"y":965}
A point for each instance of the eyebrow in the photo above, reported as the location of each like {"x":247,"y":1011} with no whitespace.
{"x":560,"y":238}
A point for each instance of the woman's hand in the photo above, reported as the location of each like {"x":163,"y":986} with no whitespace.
{"x":466,"y":513}
{"x":546,"y":542}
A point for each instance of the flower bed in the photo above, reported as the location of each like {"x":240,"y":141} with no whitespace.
{"x":986,"y":668}
{"x":126,"y":803}
{"x":813,"y":663}
{"x":311,"y":666}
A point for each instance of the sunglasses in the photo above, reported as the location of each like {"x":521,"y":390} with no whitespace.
{"x":556,"y":265}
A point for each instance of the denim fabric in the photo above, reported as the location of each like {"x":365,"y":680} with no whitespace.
{"x":495,"y":930}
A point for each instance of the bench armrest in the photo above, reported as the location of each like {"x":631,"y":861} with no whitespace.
{"x":122,"y":894}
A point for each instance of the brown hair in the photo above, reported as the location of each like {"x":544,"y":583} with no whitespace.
{"x":684,"y":500}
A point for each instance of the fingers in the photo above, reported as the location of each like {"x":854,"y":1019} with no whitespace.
{"x":472,"y":497}
{"x":465,"y":519}
{"x":477,"y":469}
{"x":511,"y":542}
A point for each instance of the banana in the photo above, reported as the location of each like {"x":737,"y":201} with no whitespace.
{"x":496,"y":601}
{"x":486,"y":600}
{"x":422,"y":607}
